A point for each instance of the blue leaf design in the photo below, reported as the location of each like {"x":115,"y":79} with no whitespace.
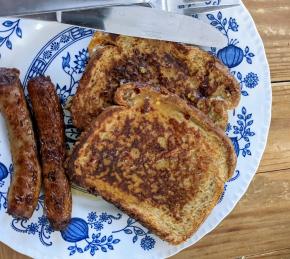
{"x":104,"y":249}
{"x":241,"y":117}
{"x":249,"y":60}
{"x":103,"y":239}
{"x":249,"y":116}
{"x":1,"y":39}
{"x":225,"y":21}
{"x":71,"y":248}
{"x":92,"y":252}
{"x":251,"y":134}
{"x":139,"y":231}
{"x":9,"y":44}
{"x":251,"y":55}
{"x":214,"y":23}
{"x":244,"y":153}
{"x":236,"y":128}
{"x":80,"y":250}
{"x":110,"y":238}
{"x":128,"y":231}
{"x":244,"y":111}
{"x":244,"y":93}
{"x":246,"y":139}
{"x":239,"y":76}
{"x":19,"y":32}
{"x":116,"y":241}
{"x":210,"y":17}
{"x":72,"y":252}
{"x":87,"y":247}
{"x":247,"y":49}
{"x":249,"y":123}
{"x":219,"y":15}
{"x":219,"y":28}
{"x":249,"y":152}
{"x":110,"y":247}
{"x":240,"y":123}
{"x":98,"y":235}
{"x":247,"y":145}
{"x":8,"y":23}
{"x":135,"y":238}
{"x":129,"y":221}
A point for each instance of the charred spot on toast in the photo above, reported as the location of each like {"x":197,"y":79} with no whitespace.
{"x":188,"y":72}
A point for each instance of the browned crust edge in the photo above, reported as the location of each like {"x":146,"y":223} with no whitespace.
{"x":197,"y":115}
{"x":73,"y":104}
{"x":203,"y":120}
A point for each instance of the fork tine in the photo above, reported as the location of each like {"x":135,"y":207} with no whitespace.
{"x":206,"y":9}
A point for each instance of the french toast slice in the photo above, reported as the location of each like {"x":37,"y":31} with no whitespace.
{"x":191,"y":73}
{"x":159,"y":160}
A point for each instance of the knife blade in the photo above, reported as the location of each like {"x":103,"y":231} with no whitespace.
{"x":148,"y":23}
{"x":29,"y":7}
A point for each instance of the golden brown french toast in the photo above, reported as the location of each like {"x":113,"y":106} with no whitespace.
{"x":191,"y":73}
{"x":161,"y":161}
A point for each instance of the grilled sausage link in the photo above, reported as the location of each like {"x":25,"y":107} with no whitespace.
{"x":26,"y":181}
{"x":50,"y":123}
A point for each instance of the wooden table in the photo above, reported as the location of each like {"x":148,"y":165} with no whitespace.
{"x":259,"y":226}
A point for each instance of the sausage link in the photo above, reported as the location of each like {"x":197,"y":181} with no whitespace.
{"x":50,"y":123}
{"x":26,"y":181}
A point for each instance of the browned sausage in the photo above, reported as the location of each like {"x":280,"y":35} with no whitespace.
{"x":26,"y":181}
{"x":49,"y":119}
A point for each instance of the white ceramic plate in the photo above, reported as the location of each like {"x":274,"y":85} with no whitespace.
{"x":97,"y":228}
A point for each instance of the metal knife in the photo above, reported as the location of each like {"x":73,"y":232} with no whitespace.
{"x":148,"y":23}
{"x":28,"y":7}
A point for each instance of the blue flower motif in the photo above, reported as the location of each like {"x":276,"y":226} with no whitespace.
{"x":47,"y":54}
{"x":64,"y":38}
{"x":251,"y":80}
{"x":49,"y":229}
{"x":54,"y":46}
{"x":147,"y":243}
{"x":62,"y":93}
{"x":42,"y":220}
{"x":103,"y":217}
{"x":81,"y":60}
{"x":92,"y":217}
{"x":98,"y":226}
{"x":233,"y":24}
{"x":32,"y":228}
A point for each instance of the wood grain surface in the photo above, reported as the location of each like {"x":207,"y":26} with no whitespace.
{"x":259,"y":226}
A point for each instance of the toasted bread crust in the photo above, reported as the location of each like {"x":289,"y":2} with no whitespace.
{"x":124,"y":198}
{"x":191,"y":73}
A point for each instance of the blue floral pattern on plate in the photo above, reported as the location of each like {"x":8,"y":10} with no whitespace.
{"x":104,"y":231}
{"x":10,"y":27}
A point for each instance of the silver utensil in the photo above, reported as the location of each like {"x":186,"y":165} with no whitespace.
{"x":31,"y":7}
{"x":147,"y":23}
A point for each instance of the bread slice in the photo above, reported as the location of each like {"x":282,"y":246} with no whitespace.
{"x":157,"y":159}
{"x":191,"y":73}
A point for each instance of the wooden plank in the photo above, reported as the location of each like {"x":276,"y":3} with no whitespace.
{"x":277,"y":153}
{"x":259,"y":223}
{"x":7,"y":253}
{"x":276,"y":254}
{"x":272,"y":19}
